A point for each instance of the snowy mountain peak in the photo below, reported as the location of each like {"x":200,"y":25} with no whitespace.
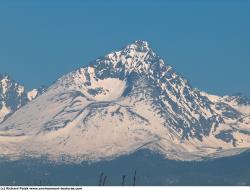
{"x":139,"y":46}
{"x":4,"y":76}
{"x":122,"y":102}
{"x":13,"y":96}
{"x":8,"y":86}
{"x":136,"y":57}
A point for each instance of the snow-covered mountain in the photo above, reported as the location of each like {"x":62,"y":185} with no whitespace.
{"x":123,"y":102}
{"x":13,"y":96}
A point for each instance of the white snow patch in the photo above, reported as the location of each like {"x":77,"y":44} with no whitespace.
{"x":32,"y":94}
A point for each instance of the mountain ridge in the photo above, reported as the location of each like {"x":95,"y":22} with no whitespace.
{"x":126,"y":101}
{"x":13,"y":96}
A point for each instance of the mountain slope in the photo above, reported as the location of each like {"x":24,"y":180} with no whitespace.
{"x":12,"y":96}
{"x":123,"y":102}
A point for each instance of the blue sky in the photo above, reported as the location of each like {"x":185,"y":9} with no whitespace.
{"x":208,"y":42}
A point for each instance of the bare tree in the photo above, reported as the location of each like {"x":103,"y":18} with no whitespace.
{"x":123,"y":180}
{"x":100,"y":180}
{"x":104,"y":180}
{"x":134,"y":178}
